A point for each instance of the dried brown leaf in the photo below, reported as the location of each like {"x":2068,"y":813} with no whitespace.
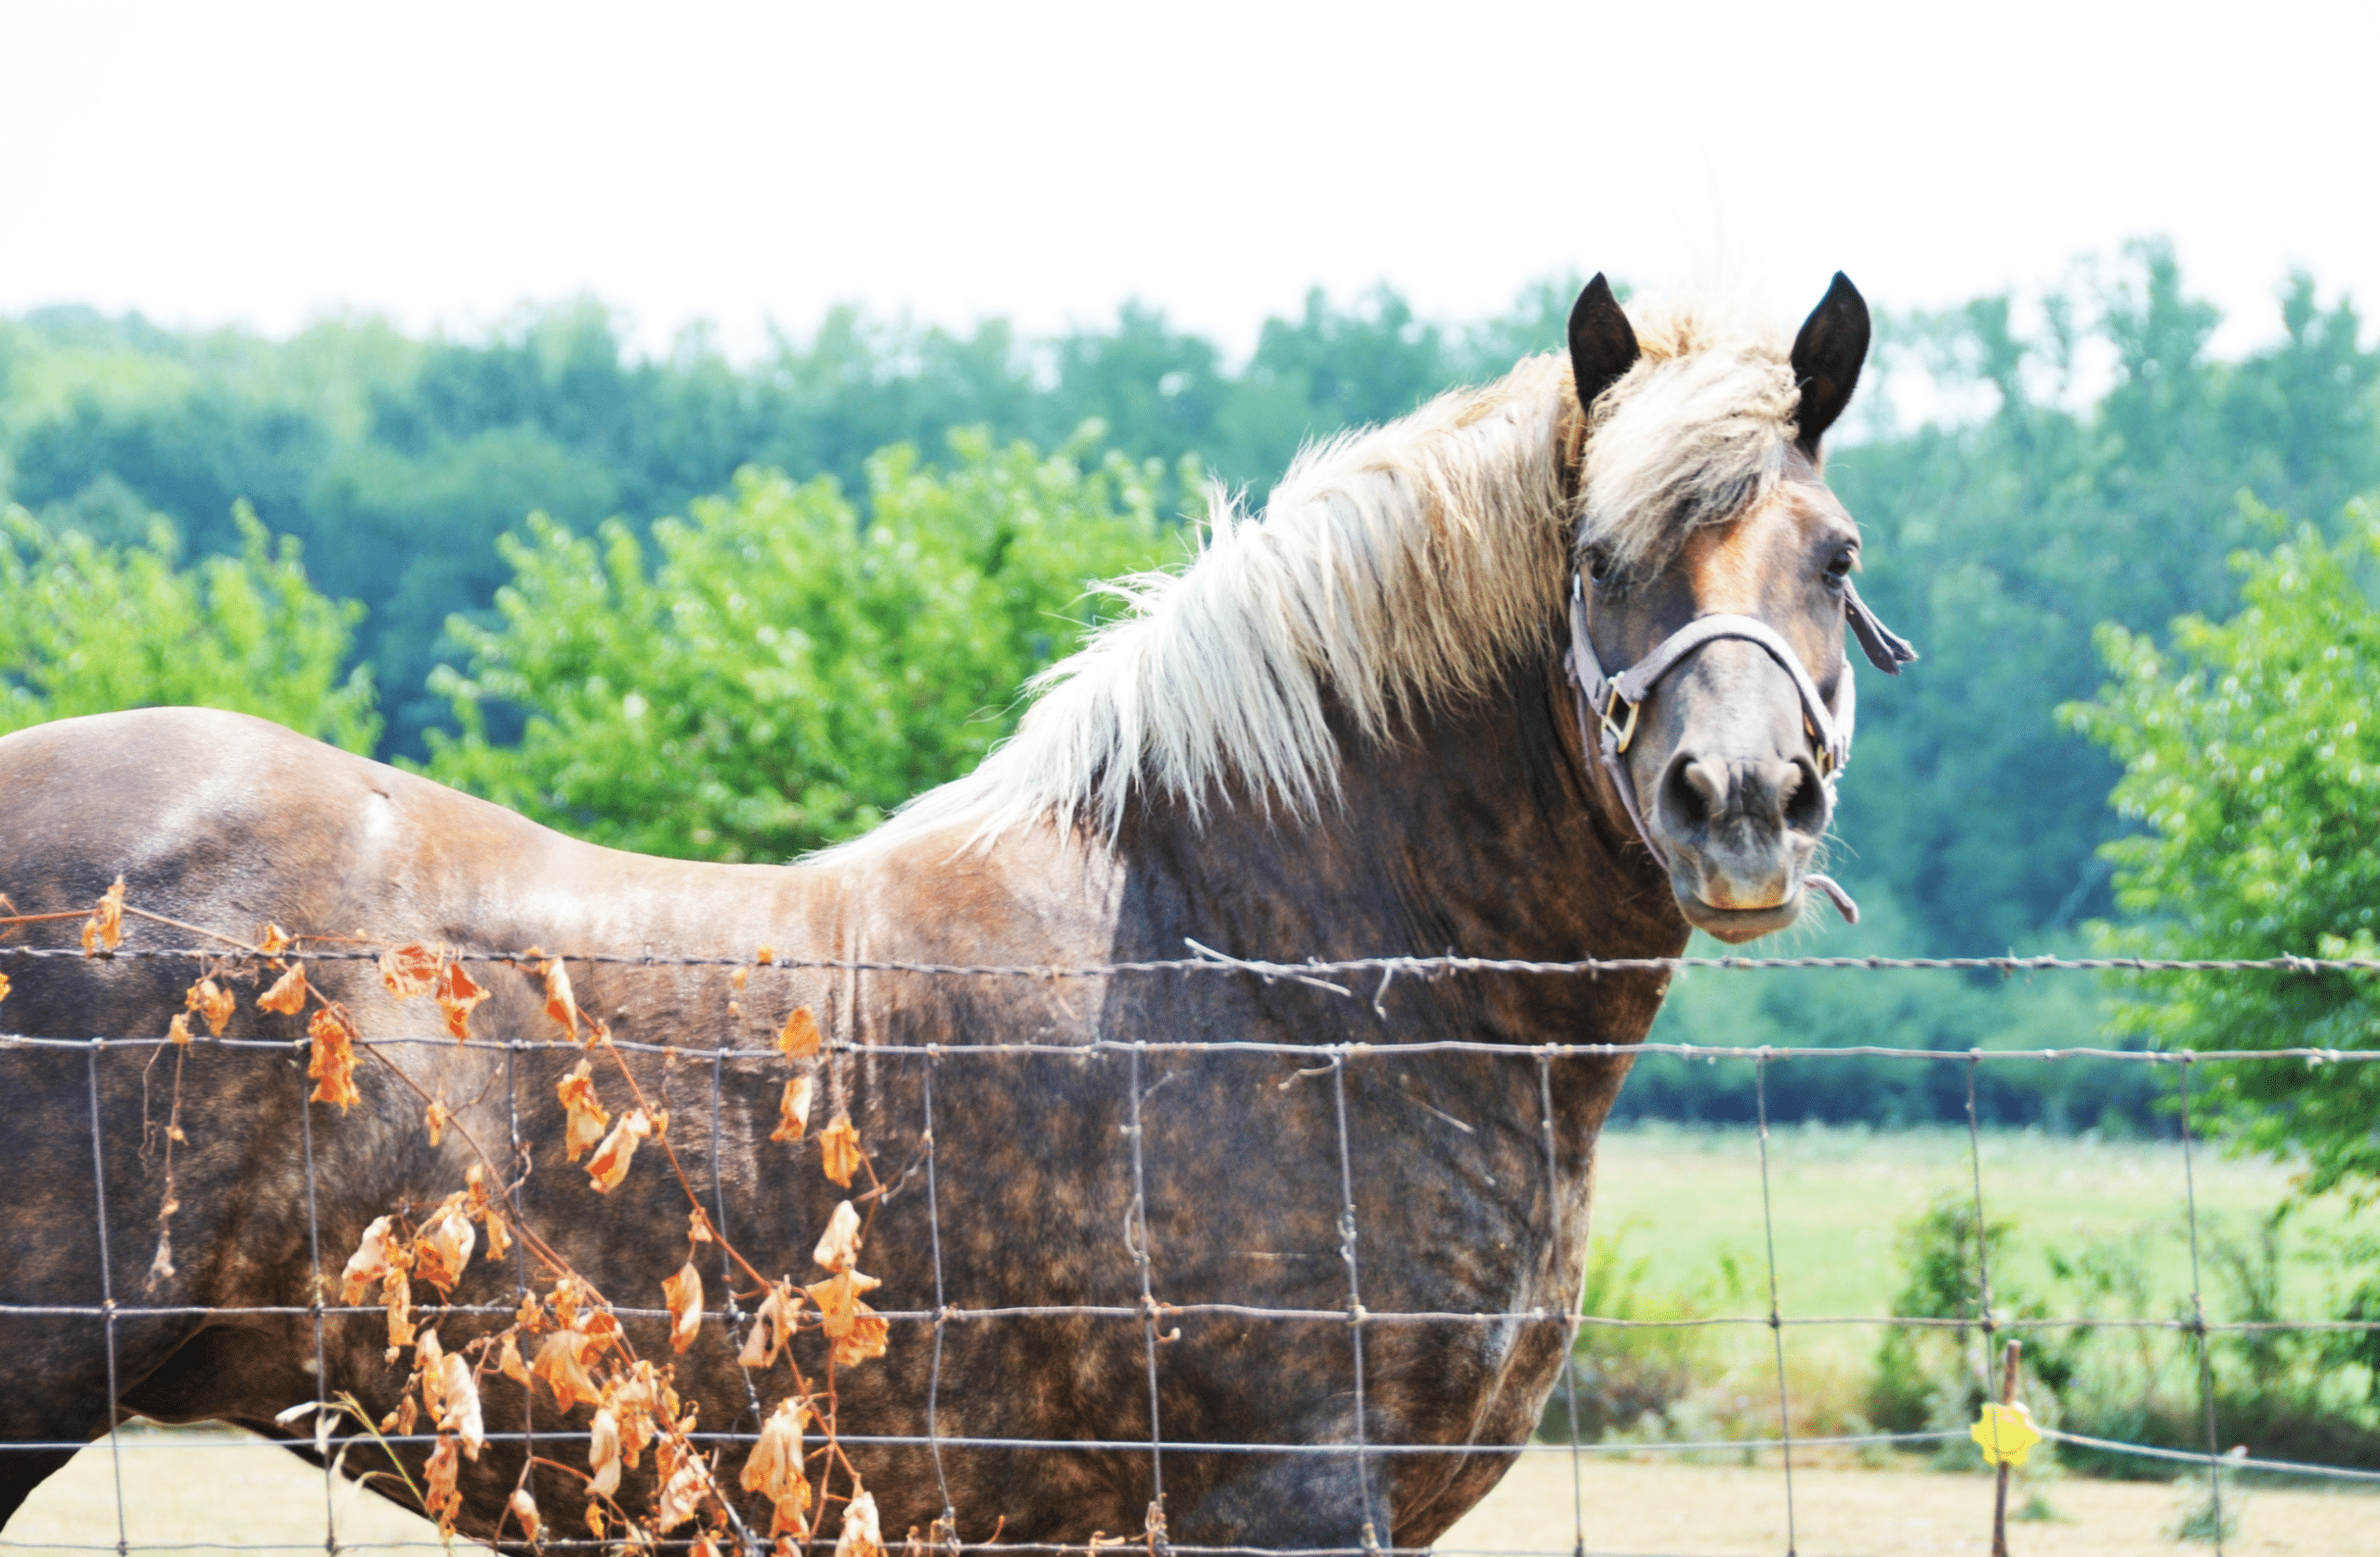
{"x":458,"y":996}
{"x":609,"y":1162}
{"x":839,"y":1150}
{"x":839,"y":1245}
{"x":603,"y":1455}
{"x":861,"y":1537}
{"x":273,"y":940}
{"x":212,"y":1002}
{"x":559,"y":1003}
{"x":435,"y":1119}
{"x":684,"y":1295}
{"x":774,"y":1469}
{"x":4,"y":995}
{"x":586,"y":1117}
{"x":524,"y":1512}
{"x":409,"y":970}
{"x":793,"y":1110}
{"x":396,"y":1292}
{"x":444,"y":1245}
{"x":178,"y":1029}
{"x":797,"y":1040}
{"x":333,"y":1064}
{"x":682,"y":1494}
{"x":772,"y":1328}
{"x":287,"y":996}
{"x":562,"y":1362}
{"x":509,"y":1362}
{"x":457,"y":1408}
{"x":444,"y":1503}
{"x":374,"y":1254}
{"x":698,"y":1226}
{"x":104,"y":929}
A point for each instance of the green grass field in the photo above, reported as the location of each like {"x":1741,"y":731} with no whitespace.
{"x":1688,"y":1202}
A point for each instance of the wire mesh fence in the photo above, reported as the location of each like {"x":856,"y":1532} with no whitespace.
{"x":707,"y":1498}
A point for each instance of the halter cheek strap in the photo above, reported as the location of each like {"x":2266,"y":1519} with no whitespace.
{"x":1607,"y":706}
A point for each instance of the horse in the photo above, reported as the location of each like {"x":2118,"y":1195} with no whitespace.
{"x":1168,"y":1253}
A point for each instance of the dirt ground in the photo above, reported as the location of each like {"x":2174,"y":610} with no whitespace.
{"x":1640,"y":1507}
{"x":205,"y":1487}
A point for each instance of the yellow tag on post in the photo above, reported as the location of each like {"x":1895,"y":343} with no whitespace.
{"x":2004,"y":1432}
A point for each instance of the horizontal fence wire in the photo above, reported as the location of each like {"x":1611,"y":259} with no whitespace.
{"x":1209,"y":961}
{"x":1153,"y":1313}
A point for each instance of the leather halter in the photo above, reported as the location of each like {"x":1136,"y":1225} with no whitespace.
{"x":1611,"y":702}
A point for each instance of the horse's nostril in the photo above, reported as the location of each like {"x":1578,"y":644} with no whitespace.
{"x":1695,"y":794}
{"x":1802,"y":799}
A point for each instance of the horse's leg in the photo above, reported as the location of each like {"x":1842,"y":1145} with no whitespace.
{"x":20,"y":1471}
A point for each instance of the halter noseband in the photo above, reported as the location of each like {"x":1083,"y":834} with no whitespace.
{"x":1607,"y":729}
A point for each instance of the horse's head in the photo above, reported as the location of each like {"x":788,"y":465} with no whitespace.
{"x":1711,"y":595}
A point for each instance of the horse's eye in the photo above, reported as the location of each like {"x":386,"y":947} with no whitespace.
{"x":1838,"y":567}
{"x":1598,"y":565}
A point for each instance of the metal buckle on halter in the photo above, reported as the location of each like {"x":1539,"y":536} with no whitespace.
{"x":1621,"y":734}
{"x":1817,"y":745}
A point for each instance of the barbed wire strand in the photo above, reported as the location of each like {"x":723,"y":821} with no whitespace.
{"x":1776,"y":1311}
{"x":1569,"y":1324}
{"x":843,"y":1047}
{"x":2198,"y":1314}
{"x":1218,"y":962}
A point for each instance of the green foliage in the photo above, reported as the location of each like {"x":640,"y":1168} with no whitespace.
{"x":1619,"y":1376}
{"x":2252,"y":760}
{"x":788,"y":672}
{"x":87,"y":628}
{"x":1998,"y":541}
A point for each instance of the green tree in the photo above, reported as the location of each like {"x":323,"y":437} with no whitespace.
{"x":89,"y":628}
{"x":789,"y":671}
{"x":2251,"y":755}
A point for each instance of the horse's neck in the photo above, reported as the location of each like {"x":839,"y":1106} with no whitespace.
{"x":1476,"y":834}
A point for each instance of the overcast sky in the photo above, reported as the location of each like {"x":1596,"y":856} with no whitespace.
{"x":262,"y":164}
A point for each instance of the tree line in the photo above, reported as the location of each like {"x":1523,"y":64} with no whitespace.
{"x":2098,"y":465}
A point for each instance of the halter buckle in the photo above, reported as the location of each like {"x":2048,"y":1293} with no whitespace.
{"x":1621,"y":733}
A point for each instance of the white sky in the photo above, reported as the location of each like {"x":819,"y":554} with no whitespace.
{"x":240,"y":163}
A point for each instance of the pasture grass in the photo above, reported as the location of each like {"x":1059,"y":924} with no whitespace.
{"x":1688,"y":1202}
{"x":1680,"y":1233}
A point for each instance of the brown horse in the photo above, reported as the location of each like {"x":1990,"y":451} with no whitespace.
{"x":1375,"y":720}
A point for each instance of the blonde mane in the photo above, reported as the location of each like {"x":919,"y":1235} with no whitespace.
{"x":1394,"y":570}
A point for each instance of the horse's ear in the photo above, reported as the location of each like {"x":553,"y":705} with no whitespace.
{"x":1827,"y":358}
{"x":1603,"y":347}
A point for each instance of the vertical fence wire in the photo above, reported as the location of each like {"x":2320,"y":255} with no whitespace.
{"x":314,"y":1298}
{"x":107,"y":1288}
{"x":1137,"y":1230}
{"x":752,"y":1544}
{"x":1776,"y":1315}
{"x":1982,"y":1234}
{"x":1570,"y":1316}
{"x":2198,"y":1311}
{"x":941,"y":1310}
{"x":516,"y":1175}
{"x":1354,"y":1290}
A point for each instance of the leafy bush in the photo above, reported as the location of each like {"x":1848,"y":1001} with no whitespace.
{"x":2251,"y":763}
{"x":788,"y":673}
{"x":87,"y":628}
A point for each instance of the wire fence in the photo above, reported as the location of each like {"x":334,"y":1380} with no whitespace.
{"x":733,"y":1521}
